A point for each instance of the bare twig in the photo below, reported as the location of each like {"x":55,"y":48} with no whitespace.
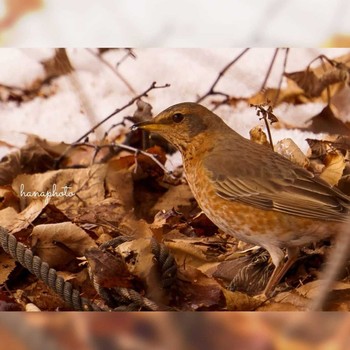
{"x":153,"y":86}
{"x":108,"y":65}
{"x":281,"y":77}
{"x":118,"y":110}
{"x":137,"y":151}
{"x":269,"y":69}
{"x":129,"y":53}
{"x":211,"y":90}
{"x":266,"y":114}
{"x":150,"y":155}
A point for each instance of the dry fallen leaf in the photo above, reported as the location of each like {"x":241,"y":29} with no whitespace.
{"x":237,"y":301}
{"x":288,"y":149}
{"x":334,"y":167}
{"x":15,"y":222}
{"x":140,"y":260}
{"x":257,"y":135}
{"x":46,"y":237}
{"x":327,"y":121}
{"x":7,"y":264}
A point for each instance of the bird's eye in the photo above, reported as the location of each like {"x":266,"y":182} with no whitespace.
{"x":178,"y":117}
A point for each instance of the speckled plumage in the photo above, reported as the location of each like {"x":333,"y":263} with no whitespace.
{"x":248,"y":190}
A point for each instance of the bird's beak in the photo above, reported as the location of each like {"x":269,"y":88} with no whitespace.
{"x":148,"y":126}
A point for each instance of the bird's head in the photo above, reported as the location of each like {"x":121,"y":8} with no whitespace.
{"x":181,"y":123}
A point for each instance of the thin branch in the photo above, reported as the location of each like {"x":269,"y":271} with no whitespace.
{"x":150,"y":155}
{"x":118,"y":110}
{"x":269,"y":69}
{"x":108,"y":65}
{"x":129,"y":53}
{"x":266,"y":115}
{"x":281,"y":77}
{"x":153,"y":86}
{"x":211,"y":90}
{"x":137,"y":151}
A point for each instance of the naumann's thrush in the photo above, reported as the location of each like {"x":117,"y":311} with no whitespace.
{"x":248,"y":190}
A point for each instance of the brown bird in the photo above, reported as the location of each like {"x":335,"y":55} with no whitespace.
{"x":248,"y":190}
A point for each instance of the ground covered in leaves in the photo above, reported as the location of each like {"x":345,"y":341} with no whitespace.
{"x":66,"y":201}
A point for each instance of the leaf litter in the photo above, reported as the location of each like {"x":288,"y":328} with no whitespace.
{"x":117,"y":194}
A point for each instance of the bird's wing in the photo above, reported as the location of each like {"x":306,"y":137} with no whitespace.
{"x":272,"y":182}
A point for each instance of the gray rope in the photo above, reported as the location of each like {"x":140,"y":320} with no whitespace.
{"x":135,"y":301}
{"x":42,"y":270}
{"x":166,"y":264}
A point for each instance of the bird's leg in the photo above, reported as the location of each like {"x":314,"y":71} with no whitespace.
{"x":281,"y":268}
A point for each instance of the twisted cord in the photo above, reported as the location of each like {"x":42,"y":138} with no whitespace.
{"x":166,"y":264}
{"x":42,"y":270}
{"x":135,"y":301}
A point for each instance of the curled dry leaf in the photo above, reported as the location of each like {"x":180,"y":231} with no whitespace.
{"x":257,"y":135}
{"x":43,"y":297}
{"x":237,"y":301}
{"x":201,"y":253}
{"x":36,"y":156}
{"x":338,"y":299}
{"x":288,"y":149}
{"x":8,"y":198}
{"x":175,"y":198}
{"x":75,"y":239}
{"x":7,"y":264}
{"x":308,"y":82}
{"x":76,"y":188}
{"x":119,"y":184}
{"x":327,"y":121}
{"x":108,"y":270}
{"x":140,"y":260}
{"x":15,"y":222}
{"x":197,"y":291}
{"x":331,"y":73}
{"x":143,"y":112}
{"x":334,"y":167}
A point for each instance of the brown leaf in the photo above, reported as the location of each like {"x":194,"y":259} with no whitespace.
{"x":197,"y":291}
{"x":43,"y":297}
{"x":237,"y":301}
{"x":67,"y":189}
{"x":308,"y":81}
{"x":332,"y":73}
{"x":327,"y":122}
{"x":15,"y":222}
{"x":119,"y":184}
{"x":8,"y":198}
{"x":143,"y":112}
{"x":140,"y":261}
{"x":36,"y":156}
{"x":7,"y":264}
{"x":176,"y":198}
{"x":108,"y":269}
{"x":334,"y":167}
{"x":257,"y":135}
{"x":65,"y":233}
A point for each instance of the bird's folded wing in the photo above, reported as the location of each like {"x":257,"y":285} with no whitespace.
{"x":280,"y":186}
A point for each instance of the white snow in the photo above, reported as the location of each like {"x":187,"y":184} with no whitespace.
{"x":62,"y":117}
